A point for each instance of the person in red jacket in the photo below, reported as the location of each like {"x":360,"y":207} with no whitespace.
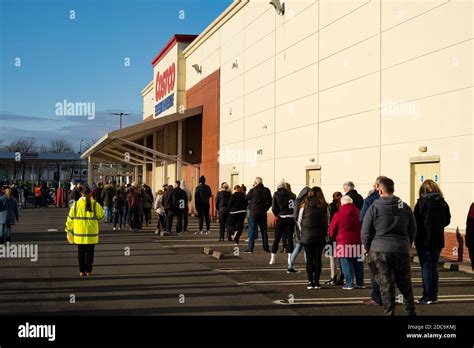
{"x":345,"y":229}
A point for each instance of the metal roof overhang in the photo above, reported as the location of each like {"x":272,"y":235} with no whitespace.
{"x":112,"y":146}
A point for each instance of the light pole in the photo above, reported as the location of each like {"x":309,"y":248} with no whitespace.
{"x":80,"y":160}
{"x":120,"y":114}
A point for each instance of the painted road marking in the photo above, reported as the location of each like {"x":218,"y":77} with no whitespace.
{"x":359,"y":300}
{"x":299,"y":282}
{"x":52,"y":230}
{"x":262,"y":269}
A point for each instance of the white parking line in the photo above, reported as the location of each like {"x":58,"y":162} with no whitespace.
{"x":299,"y":282}
{"x":268,"y":269}
{"x":359,"y":300}
{"x":52,"y":230}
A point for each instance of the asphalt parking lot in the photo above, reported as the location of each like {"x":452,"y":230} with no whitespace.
{"x":144,"y":274}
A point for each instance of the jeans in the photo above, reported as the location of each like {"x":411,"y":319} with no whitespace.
{"x":314,"y":263}
{"x":254,"y":224}
{"x":351,"y":266}
{"x":294,"y":255}
{"x":86,"y":257}
{"x":6,"y":234}
{"x":429,"y":271}
{"x":284,"y":229}
{"x":169,"y":220}
{"x":124,"y":215}
{"x":108,"y":212}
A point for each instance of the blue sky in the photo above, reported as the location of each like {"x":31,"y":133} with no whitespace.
{"x":82,"y":60}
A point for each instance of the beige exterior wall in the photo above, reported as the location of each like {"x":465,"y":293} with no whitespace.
{"x":353,"y":86}
{"x":148,"y":94}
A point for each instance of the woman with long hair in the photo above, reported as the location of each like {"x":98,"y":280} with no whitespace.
{"x":313,"y":221}
{"x":432,"y":216}
{"x":83,"y":223}
{"x":8,"y":215}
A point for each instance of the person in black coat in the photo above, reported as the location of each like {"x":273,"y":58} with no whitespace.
{"x":222,"y":207}
{"x":432,"y":216}
{"x":201,"y":199}
{"x":179,"y":203}
{"x":470,"y":234}
{"x":260,"y":200}
{"x":169,"y":208}
{"x":283,"y":208}
{"x":357,"y":199}
{"x":313,"y":222}
{"x":237,"y":213}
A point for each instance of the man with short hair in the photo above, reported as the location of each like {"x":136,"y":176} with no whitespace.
{"x":388,"y":232}
{"x":180,"y":202}
{"x":375,"y":297}
{"x":201,"y":200}
{"x":349,"y":189}
{"x":260,"y":200}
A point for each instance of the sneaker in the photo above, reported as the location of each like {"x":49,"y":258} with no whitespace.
{"x":330,"y":282}
{"x":89,"y":274}
{"x":114,"y":228}
{"x":310,"y":286}
{"x":292,"y":270}
{"x":119,"y":228}
{"x":248,"y":251}
{"x":208,"y":232}
{"x":347,"y":287}
{"x":424,"y":301}
{"x":317,"y":286}
{"x":82,"y":274}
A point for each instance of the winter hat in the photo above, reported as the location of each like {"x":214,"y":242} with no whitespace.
{"x":281,"y":184}
{"x":202,"y":179}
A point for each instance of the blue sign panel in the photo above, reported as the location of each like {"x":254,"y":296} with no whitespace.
{"x":164,"y":105}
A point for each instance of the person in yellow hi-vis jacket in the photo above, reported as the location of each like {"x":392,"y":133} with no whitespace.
{"x":83,"y":224}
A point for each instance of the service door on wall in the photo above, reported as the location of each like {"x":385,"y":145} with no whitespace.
{"x":419,"y":173}
{"x":234,"y":180}
{"x":313,"y":177}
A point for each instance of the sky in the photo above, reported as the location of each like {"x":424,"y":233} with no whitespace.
{"x":78,"y":51}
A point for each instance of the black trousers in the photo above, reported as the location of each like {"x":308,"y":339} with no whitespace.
{"x":314,"y":264}
{"x":284,"y":228}
{"x":118,"y":218}
{"x":185,"y":219}
{"x":179,"y":213}
{"x":223,"y":217}
{"x":471,"y":256}
{"x":161,"y":223}
{"x":134,"y":215}
{"x":235,"y":223}
{"x":86,"y":257}
{"x":169,"y":220}
{"x":203,"y":213}
{"x":147,"y":213}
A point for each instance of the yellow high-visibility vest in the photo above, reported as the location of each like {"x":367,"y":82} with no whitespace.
{"x":84,"y":225}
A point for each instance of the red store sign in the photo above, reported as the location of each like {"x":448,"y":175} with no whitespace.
{"x":165,"y":82}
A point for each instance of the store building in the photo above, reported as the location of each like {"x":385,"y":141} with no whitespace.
{"x":320,"y":93}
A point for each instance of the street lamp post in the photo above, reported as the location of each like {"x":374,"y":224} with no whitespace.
{"x":120,"y":114}
{"x":80,"y":161}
